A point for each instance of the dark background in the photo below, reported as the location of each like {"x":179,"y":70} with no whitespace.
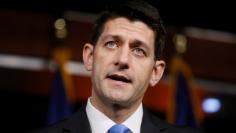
{"x":218,"y":15}
{"x":209,"y":60}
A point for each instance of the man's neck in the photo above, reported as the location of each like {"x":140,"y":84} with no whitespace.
{"x":115,"y":112}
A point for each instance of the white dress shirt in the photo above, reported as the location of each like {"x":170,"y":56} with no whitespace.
{"x":100,"y":123}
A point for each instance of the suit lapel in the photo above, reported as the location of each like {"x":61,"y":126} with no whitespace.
{"x":78,"y":123}
{"x":151,"y":124}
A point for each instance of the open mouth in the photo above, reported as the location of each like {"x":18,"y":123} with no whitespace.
{"x":119,"y":78}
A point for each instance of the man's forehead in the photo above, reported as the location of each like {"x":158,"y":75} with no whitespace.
{"x":122,"y":25}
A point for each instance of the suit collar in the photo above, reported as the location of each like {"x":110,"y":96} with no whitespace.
{"x":78,"y":123}
{"x":152,"y":124}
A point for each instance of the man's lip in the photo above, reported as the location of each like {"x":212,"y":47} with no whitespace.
{"x":119,"y":77}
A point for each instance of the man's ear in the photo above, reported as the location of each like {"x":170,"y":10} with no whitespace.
{"x":157,"y":72}
{"x":88,"y":56}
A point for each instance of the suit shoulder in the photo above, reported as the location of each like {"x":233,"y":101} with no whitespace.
{"x":184,"y":129}
{"x":55,"y":128}
{"x":166,"y":127}
{"x":78,"y":122}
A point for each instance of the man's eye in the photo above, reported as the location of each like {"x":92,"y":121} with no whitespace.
{"x":111,"y":44}
{"x":139,"y":52}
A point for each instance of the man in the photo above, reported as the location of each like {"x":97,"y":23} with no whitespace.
{"x":124,"y":57}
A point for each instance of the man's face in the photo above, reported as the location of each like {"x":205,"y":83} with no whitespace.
{"x":122,"y":62}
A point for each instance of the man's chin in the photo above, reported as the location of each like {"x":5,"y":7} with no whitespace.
{"x":120,"y":102}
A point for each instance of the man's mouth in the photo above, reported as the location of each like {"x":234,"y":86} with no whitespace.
{"x":119,"y":78}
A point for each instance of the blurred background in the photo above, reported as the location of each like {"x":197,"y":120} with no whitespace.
{"x":41,"y":67}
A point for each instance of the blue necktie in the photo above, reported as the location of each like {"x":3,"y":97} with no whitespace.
{"x":119,"y":128}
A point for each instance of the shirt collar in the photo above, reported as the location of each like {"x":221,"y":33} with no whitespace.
{"x":135,"y":120}
{"x":100,"y":123}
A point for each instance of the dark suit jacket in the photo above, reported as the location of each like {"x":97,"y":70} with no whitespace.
{"x":78,"y":123}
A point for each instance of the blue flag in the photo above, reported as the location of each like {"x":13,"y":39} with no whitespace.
{"x":59,"y":105}
{"x":184,"y":113}
{"x":184,"y":106}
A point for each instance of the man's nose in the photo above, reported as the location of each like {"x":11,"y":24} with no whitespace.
{"x":123,"y":58}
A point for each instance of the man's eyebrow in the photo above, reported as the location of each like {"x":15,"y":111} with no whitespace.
{"x":134,"y":43}
{"x":115,"y":37}
{"x":137,"y":43}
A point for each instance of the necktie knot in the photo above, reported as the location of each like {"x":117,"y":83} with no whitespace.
{"x":119,"y":128}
